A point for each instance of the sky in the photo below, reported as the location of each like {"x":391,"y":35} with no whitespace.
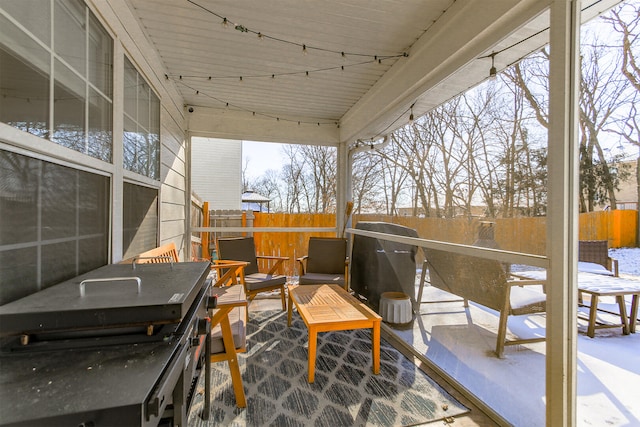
{"x":261,"y":156}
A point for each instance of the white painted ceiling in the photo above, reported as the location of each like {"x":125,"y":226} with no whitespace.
{"x":398,"y":53}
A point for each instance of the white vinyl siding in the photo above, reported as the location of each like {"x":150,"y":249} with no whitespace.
{"x":216,"y":170}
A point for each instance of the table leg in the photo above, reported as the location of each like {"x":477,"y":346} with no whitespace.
{"x":313,"y":338}
{"x":592,"y":316}
{"x":634,"y":314}
{"x":375,"y":346}
{"x":623,"y":314}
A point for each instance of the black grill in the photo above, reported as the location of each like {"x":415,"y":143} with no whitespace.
{"x":116,"y":346}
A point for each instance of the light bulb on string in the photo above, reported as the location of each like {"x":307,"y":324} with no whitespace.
{"x":225,"y":23}
{"x":304,"y":49}
{"x":492,"y":71}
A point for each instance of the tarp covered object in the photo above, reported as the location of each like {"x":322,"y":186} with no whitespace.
{"x":379,"y":266}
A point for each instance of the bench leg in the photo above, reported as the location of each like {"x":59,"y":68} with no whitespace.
{"x":591,"y":329}
{"x":634,"y":314}
{"x":502,"y":332}
{"x":623,"y":314}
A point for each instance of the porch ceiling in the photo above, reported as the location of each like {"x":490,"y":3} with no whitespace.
{"x":447,"y":43}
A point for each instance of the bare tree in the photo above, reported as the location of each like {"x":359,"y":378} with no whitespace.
{"x":366,"y":176}
{"x":626,"y":21}
{"x":320,"y":177}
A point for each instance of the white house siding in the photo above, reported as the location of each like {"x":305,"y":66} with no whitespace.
{"x":216,"y":169}
{"x":173,"y":193}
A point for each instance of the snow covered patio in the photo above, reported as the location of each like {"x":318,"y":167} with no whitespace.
{"x":461,"y":341}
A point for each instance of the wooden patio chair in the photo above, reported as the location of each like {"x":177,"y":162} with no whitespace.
{"x":232,"y":250}
{"x":326,"y":262}
{"x":597,"y":252}
{"x":485,"y":282}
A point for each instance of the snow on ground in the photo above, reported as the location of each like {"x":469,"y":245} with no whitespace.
{"x":628,"y":260}
{"x":461,"y":342}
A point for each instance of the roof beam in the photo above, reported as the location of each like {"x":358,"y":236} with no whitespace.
{"x":480,"y":26}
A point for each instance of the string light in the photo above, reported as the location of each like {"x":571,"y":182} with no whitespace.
{"x":305,"y":48}
{"x":290,"y":73}
{"x":256,"y":113}
{"x":226,"y":23}
{"x":492,"y":71}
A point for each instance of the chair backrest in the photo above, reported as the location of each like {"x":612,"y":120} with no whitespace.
{"x":483,"y":281}
{"x":164,"y":253}
{"x":327,"y":255}
{"x":596,"y":251}
{"x":239,"y":249}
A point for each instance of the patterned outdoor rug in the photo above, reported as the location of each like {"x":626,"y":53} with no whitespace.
{"x":345,"y":391}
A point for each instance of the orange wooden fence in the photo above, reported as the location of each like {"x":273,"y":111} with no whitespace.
{"x":526,"y":235}
{"x":619,"y":227}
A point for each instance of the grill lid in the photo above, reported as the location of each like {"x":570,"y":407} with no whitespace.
{"x":111,"y":296}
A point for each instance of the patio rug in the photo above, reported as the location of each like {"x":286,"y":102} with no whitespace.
{"x":345,"y":391}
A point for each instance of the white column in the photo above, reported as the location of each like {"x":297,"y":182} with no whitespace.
{"x":562,"y":216}
{"x":118,"y":154}
{"x":343,"y":190}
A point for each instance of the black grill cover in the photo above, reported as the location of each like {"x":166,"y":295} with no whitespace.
{"x":379,"y":266}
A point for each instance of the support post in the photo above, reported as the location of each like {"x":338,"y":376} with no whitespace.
{"x":562,"y":225}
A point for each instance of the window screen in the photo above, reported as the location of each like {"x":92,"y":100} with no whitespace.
{"x":140,"y":219}
{"x":55,"y":224}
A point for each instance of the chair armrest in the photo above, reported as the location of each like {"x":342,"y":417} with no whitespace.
{"x":278,"y":266}
{"x":302,"y":261}
{"x":526,"y":282}
{"x":613,"y":266}
{"x":230,"y":276}
{"x":272,"y":257}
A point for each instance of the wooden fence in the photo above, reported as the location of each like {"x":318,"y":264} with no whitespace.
{"x":526,"y":235}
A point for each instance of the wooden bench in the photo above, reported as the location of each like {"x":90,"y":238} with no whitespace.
{"x":228,"y":327}
{"x":485,"y":282}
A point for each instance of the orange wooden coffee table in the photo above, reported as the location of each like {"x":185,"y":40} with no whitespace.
{"x":330,"y":308}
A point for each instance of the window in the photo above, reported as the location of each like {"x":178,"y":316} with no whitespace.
{"x":141,"y":125}
{"x":77,"y":68}
{"x":140,"y":219}
{"x":55,"y":224}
